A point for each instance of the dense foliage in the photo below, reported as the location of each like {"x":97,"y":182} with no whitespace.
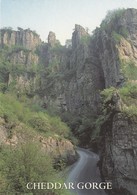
{"x":128,"y":95}
{"x":129,"y":69}
{"x":112,"y":16}
{"x":24,"y":159}
{"x":27,"y":162}
{"x":14,"y":111}
{"x":24,"y":164}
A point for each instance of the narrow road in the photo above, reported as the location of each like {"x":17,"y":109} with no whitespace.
{"x":85,"y":170}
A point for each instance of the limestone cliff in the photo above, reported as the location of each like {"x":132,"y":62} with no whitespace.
{"x":25,"y":38}
{"x":22,"y":57}
{"x":76,"y":77}
{"x":117,"y":50}
{"x":93,"y":63}
{"x":81,"y":83}
{"x":118,"y":146}
{"x":19,"y":51}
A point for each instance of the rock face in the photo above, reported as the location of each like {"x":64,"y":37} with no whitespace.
{"x":119,"y":149}
{"x":22,"y":57}
{"x":118,"y":145}
{"x":77,"y":76}
{"x":51,"y":38}
{"x":83,"y":85}
{"x":125,"y":28}
{"x":77,"y":35}
{"x":20,"y":53}
{"x":25,"y":38}
{"x":59,"y":148}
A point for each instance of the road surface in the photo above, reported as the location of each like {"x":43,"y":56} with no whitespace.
{"x":85,"y":170}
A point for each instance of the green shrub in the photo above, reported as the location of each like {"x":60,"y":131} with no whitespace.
{"x":129,"y":69}
{"x":106,"y":94}
{"x":117,"y":37}
{"x":128,"y":95}
{"x":111,"y":16}
{"x":98,"y":122}
{"x":24,"y":164}
{"x":50,"y":124}
{"x":129,"y":90}
{"x":85,"y":39}
{"x":40,"y":123}
{"x":35,"y":33}
{"x":4,"y":71}
{"x":18,"y":48}
{"x":124,"y":32}
{"x":3,"y":87}
{"x":9,"y":30}
{"x":108,"y":24}
{"x":16,"y":111}
{"x":131,"y":112}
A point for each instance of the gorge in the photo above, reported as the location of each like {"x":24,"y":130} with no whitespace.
{"x":91,"y":83}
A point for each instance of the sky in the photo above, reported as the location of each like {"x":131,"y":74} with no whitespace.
{"x":59,"y":16}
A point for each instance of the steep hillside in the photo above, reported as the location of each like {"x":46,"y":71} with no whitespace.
{"x":25,"y":135}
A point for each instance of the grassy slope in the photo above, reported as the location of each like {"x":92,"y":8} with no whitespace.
{"x":26,"y":162}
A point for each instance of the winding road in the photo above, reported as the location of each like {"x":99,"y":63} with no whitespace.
{"x":85,"y":170}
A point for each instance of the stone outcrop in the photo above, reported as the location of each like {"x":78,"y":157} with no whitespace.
{"x":59,"y":148}
{"x":82,"y":84}
{"x":78,"y":34}
{"x":23,"y":57}
{"x":21,"y":46}
{"x":118,"y":148}
{"x":25,"y":38}
{"x":51,"y":38}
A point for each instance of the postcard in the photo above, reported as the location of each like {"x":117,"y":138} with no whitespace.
{"x":68,"y":97}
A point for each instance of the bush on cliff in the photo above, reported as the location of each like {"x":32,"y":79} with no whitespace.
{"x":127,"y":96}
{"x":129,"y":69}
{"x":111,"y":16}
